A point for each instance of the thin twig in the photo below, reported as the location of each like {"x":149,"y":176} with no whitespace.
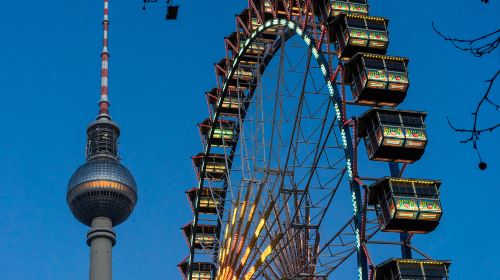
{"x":478,"y":47}
{"x":474,"y":131}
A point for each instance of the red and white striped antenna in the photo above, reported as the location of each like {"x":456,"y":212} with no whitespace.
{"x":104,"y":102}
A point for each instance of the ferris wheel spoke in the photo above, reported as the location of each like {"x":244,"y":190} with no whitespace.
{"x":331,"y":197}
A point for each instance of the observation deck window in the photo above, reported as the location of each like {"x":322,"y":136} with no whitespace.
{"x":102,"y":140}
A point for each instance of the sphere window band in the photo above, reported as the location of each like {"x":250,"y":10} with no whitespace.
{"x":101,"y":184}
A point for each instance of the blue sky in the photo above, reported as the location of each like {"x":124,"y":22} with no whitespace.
{"x":49,"y":87}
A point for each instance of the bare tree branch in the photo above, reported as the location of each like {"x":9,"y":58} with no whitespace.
{"x":478,"y":47}
{"x":475,"y":131}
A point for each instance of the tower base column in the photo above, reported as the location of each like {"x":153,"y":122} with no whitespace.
{"x":101,"y":238}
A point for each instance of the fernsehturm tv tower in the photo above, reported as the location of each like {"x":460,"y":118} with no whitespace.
{"x":102,"y":192}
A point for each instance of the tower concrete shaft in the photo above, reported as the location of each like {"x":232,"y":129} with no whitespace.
{"x":101,"y":238}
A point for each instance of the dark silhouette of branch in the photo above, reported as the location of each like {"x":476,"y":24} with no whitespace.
{"x":475,"y":131}
{"x":478,"y":47}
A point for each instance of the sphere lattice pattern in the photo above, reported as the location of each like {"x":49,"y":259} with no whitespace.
{"x":102,"y":187}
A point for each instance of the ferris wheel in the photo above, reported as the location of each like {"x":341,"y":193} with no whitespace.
{"x":281,"y":188}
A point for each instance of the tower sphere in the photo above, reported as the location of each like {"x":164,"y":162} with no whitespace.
{"x":102,"y":187}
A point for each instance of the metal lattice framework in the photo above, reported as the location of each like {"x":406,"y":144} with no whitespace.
{"x":280,"y":156}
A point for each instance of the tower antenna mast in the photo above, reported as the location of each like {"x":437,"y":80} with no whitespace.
{"x":104,"y":101}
